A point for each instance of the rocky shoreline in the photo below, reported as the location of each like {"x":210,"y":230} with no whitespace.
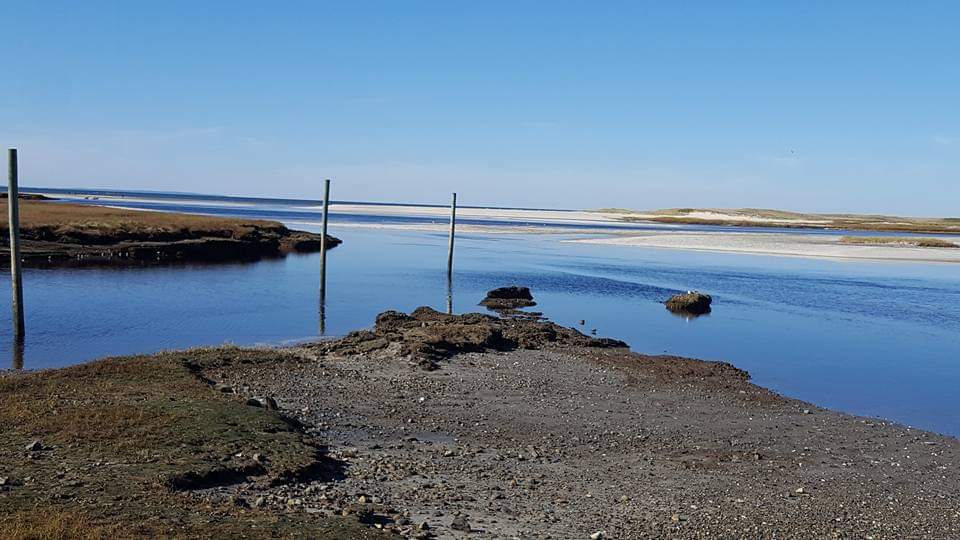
{"x":61,"y":234}
{"x":439,"y":426}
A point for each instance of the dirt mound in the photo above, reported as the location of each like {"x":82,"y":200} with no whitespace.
{"x":427,"y":336}
{"x":691,"y":302}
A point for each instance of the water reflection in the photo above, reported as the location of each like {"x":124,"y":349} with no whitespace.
{"x":323,"y":312}
{"x":449,"y":293}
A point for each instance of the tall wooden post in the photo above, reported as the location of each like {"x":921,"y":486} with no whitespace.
{"x":323,"y":237}
{"x":453,"y":226}
{"x":323,"y":258}
{"x":13,"y":204}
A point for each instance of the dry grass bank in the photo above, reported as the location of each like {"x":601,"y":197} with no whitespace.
{"x":122,"y":439}
{"x":63,"y":233}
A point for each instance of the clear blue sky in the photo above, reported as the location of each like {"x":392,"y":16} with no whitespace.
{"x":810,"y":106}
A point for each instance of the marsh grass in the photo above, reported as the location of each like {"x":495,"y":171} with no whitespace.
{"x":41,"y":220}
{"x":898,"y":241}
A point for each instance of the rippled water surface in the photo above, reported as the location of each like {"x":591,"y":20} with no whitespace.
{"x":872,"y":338}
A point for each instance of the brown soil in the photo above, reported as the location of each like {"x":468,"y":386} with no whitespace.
{"x":58,"y":234}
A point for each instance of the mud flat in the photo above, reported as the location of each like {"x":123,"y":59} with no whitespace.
{"x":61,"y":234}
{"x":437,"y":426}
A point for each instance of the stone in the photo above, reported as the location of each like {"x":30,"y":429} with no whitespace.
{"x":265,"y":402}
{"x":504,"y":298}
{"x":599,"y":535}
{"x":691,"y":302}
{"x":35,"y":446}
{"x":460,"y":523}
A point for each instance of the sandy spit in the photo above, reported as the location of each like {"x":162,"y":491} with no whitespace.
{"x":791,"y":245}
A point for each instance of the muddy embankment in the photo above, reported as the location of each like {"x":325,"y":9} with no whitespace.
{"x":62,"y":234}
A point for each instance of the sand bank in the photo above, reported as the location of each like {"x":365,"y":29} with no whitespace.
{"x":793,"y":245}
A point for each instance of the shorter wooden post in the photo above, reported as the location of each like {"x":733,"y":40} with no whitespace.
{"x":13,"y":204}
{"x":18,"y":345}
{"x":453,"y":226}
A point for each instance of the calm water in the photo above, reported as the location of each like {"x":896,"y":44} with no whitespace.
{"x":878,"y":339}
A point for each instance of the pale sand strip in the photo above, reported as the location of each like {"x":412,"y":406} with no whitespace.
{"x":792,"y":245}
{"x":573,"y":216}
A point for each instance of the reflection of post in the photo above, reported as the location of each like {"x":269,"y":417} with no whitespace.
{"x":449,"y":294}
{"x":323,"y":313}
{"x":13,"y":204}
{"x":17,"y":363}
{"x":453,"y":225}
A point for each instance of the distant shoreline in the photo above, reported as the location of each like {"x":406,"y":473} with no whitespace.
{"x":754,"y":217}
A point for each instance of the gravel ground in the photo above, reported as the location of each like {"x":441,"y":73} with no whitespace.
{"x":581,"y":442}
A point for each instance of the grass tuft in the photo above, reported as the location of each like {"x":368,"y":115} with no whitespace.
{"x":898,"y":241}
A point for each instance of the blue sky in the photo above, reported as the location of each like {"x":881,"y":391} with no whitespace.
{"x":831,"y":106}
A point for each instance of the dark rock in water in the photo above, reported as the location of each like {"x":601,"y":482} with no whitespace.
{"x":504,"y":298}
{"x":691,"y":302}
{"x":512,"y":293}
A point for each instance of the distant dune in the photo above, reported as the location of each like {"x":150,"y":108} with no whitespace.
{"x":759,"y":217}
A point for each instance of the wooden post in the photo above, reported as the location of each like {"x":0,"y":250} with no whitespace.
{"x":13,"y":204}
{"x":453,"y":226}
{"x":323,"y":258}
{"x":323,"y":239}
{"x":17,"y":363}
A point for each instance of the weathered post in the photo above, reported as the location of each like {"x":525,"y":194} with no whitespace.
{"x":453,"y":226}
{"x":323,"y":258}
{"x":323,"y":238}
{"x":18,"y":344}
{"x":13,"y":204}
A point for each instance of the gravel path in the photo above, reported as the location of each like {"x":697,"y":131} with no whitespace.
{"x":568,"y":442}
